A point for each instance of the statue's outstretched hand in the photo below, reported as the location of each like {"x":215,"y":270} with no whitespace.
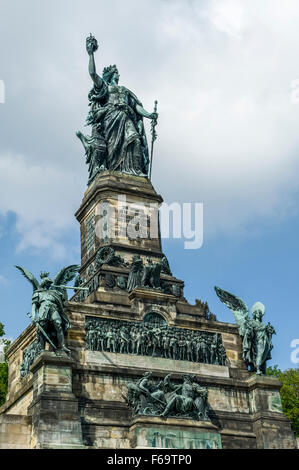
{"x":91,"y":44}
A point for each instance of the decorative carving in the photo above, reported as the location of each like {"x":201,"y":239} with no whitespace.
{"x":95,"y":151}
{"x":110,"y":281}
{"x":106,"y":255}
{"x":166,"y":287}
{"x":90,"y":287}
{"x":154,"y":338}
{"x":78,"y":281}
{"x":29,"y":355}
{"x":155,"y":319}
{"x":150,"y":275}
{"x":164,"y":398}
{"x":89,"y":236}
{"x":176,"y":290}
{"x":256,"y":335}
{"x":206,"y":309}
{"x":121,"y":282}
{"x":91,"y":270}
{"x":134,"y":279}
{"x":165,"y":266}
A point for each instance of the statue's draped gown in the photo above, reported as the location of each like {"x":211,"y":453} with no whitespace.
{"x":114,"y":108}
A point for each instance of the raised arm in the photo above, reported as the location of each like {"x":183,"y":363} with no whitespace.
{"x":91,"y":47}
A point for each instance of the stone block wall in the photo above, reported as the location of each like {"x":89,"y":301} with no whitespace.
{"x":80,"y":403}
{"x":14,"y":431}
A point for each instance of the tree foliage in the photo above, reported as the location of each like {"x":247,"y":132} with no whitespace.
{"x":3,"y":381}
{"x":3,"y":367}
{"x":289,"y":394}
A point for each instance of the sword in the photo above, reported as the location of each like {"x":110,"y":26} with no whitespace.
{"x":149,"y":394}
{"x":42,"y":330}
{"x":154,"y":136}
{"x":74,"y":288}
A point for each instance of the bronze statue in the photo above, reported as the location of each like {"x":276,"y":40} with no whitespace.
{"x":48,"y":306}
{"x":256,"y":335}
{"x":118,"y":140}
{"x":150,"y":338}
{"x":165,"y":399}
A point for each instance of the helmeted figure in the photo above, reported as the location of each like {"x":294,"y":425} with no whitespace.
{"x":256,"y":335}
{"x":48,"y":306}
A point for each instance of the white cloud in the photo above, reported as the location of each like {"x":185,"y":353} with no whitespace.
{"x":230,"y":123}
{"x":229,"y":16}
{"x":221,"y":71}
{"x":42,"y":197}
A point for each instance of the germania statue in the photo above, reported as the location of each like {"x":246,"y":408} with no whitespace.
{"x":118,"y":141}
{"x":48,"y":306}
{"x":256,"y":335}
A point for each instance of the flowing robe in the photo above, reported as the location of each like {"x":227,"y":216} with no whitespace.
{"x":113,"y":112}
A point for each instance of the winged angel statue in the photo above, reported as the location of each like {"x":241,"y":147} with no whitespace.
{"x":256,"y":335}
{"x":48,"y":306}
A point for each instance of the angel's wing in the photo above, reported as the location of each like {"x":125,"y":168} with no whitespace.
{"x":30,"y":277}
{"x":66,"y":275}
{"x":235,"y":304}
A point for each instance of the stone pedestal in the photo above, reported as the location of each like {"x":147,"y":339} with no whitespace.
{"x":270,"y":425}
{"x":54,"y":409}
{"x":174,"y":433}
{"x":119,"y":219}
{"x":122,"y":195}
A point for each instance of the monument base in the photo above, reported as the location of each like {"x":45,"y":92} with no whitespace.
{"x":173,"y":433}
{"x":54,"y":408}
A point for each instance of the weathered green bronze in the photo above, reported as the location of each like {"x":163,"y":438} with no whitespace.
{"x":29,"y":355}
{"x":148,"y":275}
{"x":153,"y":338}
{"x":256,"y":335}
{"x":167,"y":399}
{"x":106,"y":255}
{"x":151,"y":275}
{"x":154,"y":137}
{"x":118,"y":141}
{"x":48,"y":306}
{"x":134,"y":279}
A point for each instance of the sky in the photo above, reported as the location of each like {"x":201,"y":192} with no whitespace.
{"x":226,"y":77}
